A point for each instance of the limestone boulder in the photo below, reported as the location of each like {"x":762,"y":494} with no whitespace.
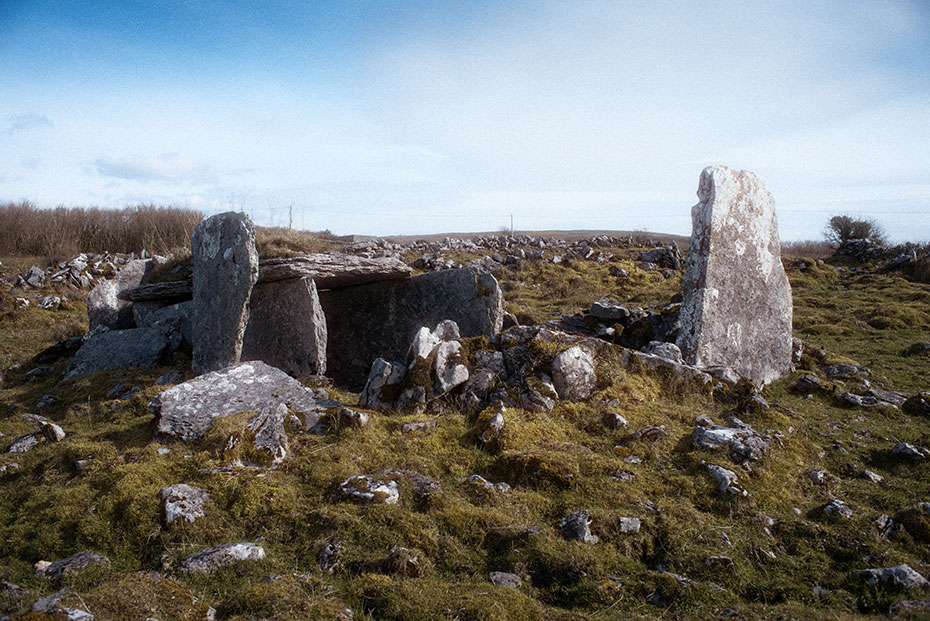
{"x":188,"y":409}
{"x":737,"y":307}
{"x":105,"y":307}
{"x":573,"y":374}
{"x":211,"y":559}
{"x":225,"y":269}
{"x":183,"y":502}
{"x":72,"y":564}
{"x":287,"y":327}
{"x":118,"y":349}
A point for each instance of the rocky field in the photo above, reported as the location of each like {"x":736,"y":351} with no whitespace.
{"x":643,"y":489}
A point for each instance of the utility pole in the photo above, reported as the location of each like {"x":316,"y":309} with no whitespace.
{"x":511,"y":225}
{"x":290,"y":216}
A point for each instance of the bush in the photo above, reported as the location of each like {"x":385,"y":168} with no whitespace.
{"x":842,"y":229}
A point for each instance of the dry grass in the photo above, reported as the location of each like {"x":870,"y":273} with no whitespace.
{"x":807,"y":248}
{"x":26,"y":230}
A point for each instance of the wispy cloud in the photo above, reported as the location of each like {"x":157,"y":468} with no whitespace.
{"x":13,"y":123}
{"x":169,"y":167}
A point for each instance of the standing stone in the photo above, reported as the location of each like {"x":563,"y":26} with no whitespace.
{"x":225,"y":268}
{"x":737,"y":301}
{"x":287,"y":328}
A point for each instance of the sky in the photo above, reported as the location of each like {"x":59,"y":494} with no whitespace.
{"x":387,"y":117}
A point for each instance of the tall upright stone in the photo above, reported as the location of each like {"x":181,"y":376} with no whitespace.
{"x":225,"y":269}
{"x":737,"y":301}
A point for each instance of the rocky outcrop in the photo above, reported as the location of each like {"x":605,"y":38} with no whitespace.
{"x":390,"y":313}
{"x":287,"y":328}
{"x":209,"y":560}
{"x":225,"y":269}
{"x":737,"y":301}
{"x":187,"y":410}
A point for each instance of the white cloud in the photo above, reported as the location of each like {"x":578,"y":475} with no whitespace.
{"x":168,"y":167}
{"x":13,"y":123}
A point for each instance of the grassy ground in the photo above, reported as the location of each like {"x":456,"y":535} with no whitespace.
{"x":98,"y":489}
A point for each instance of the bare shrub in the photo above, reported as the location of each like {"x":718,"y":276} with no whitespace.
{"x":842,"y":229}
{"x":807,"y":248}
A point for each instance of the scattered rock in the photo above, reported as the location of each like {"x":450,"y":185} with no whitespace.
{"x":71,"y":564}
{"x":329,"y":556}
{"x":573,"y":374}
{"x":24,"y":443}
{"x":211,"y":559}
{"x":577,"y":526}
{"x":629,"y":525}
{"x":873,"y":477}
{"x":909,"y":607}
{"x":12,"y":590}
{"x":414,"y":427}
{"x":505,"y":579}
{"x":844,"y":370}
{"x":837,"y":508}
{"x":613,"y":420}
{"x":726,"y":480}
{"x":184,"y":502}
{"x":899,"y":576}
{"x":361,"y":488}
{"x":744,"y":442}
{"x":911,"y":451}
{"x":479,"y":488}
{"x":51,"y":605}
{"x":737,"y":305}
{"x":51,"y":431}
{"x":270,"y":436}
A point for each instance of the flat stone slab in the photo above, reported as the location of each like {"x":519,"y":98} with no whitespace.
{"x":72,"y":564}
{"x":737,"y":300}
{"x":118,"y":349}
{"x":380,"y":320}
{"x":187,"y":410}
{"x":333,"y":271}
{"x":287,"y":327}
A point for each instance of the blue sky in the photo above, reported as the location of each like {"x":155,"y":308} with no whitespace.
{"x":418,"y":117}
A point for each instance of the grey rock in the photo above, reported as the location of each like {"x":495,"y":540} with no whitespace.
{"x":211,"y":559}
{"x":35,"y":277}
{"x":11,"y":589}
{"x":843,"y":370}
{"x":744,"y":442}
{"x":118,"y":349}
{"x":183,"y":502}
{"x":650,"y":434}
{"x":154,"y":316}
{"x":613,"y":420}
{"x":890,"y":396}
{"x":187,"y":410}
{"x":726,"y":480}
{"x":72,"y":564}
{"x":808,"y":384}
{"x":329,"y":556}
{"x":51,"y":431}
{"x":50,"y":302}
{"x":389,"y":314}
{"x":46,"y":400}
{"x":669,"y":351}
{"x":105,"y":308}
{"x":818,"y":476}
{"x":909,"y":607}
{"x":51,"y":606}
{"x":491,"y":360}
{"x":797,"y":350}
{"x":333,"y":271}
{"x":427,"y":425}
{"x":225,"y":269}
{"x":270,"y":436}
{"x":899,"y":576}
{"x":479,"y":488}
{"x":361,"y":488}
{"x":904,"y":449}
{"x":737,"y":305}
{"x":347,"y":417}
{"x":25,"y":442}
{"x":475,"y":391}
{"x":287,"y":327}
{"x":577,"y":526}
{"x":505,"y":579}
{"x":492,"y":430}
{"x":383,"y":384}
{"x":169,"y":379}
{"x":573,"y":374}
{"x":837,"y":508}
{"x":607,"y":309}
{"x":873,"y":477}
{"x":628,"y":525}
{"x":449,"y":368}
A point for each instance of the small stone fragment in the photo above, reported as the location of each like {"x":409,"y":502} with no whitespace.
{"x":726,"y":480}
{"x":577,"y":526}
{"x":182,"y":501}
{"x":629,"y":525}
{"x":329,"y":556}
{"x":505,"y":579}
{"x":873,"y":477}
{"x":361,"y":488}
{"x":613,"y":420}
{"x":52,"y":432}
{"x":837,"y":508}
{"x":422,"y":425}
{"x":900,"y":576}
{"x":71,"y":564}
{"x":211,"y":559}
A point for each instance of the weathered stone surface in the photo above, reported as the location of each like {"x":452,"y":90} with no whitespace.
{"x":51,"y":607}
{"x":25,"y":442}
{"x":148,"y":315}
{"x":225,"y":268}
{"x":187,"y":410}
{"x":209,"y":560}
{"x":737,"y":301}
{"x":270,"y":436}
{"x":104,"y":306}
{"x":577,"y":526}
{"x":744,"y":442}
{"x":573,"y":374}
{"x":448,"y":367}
{"x":837,"y":508}
{"x":505,"y":579}
{"x":390,"y":313}
{"x":669,"y":351}
{"x":72,"y":564}
{"x":628,"y":525}
{"x":175,"y":291}
{"x":118,"y":349}
{"x":726,"y":480}
{"x":900,"y":576}
{"x":361,"y":488}
{"x":287,"y":328}
{"x":333,"y":271}
{"x":183,"y":502}
{"x":382,"y":386}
